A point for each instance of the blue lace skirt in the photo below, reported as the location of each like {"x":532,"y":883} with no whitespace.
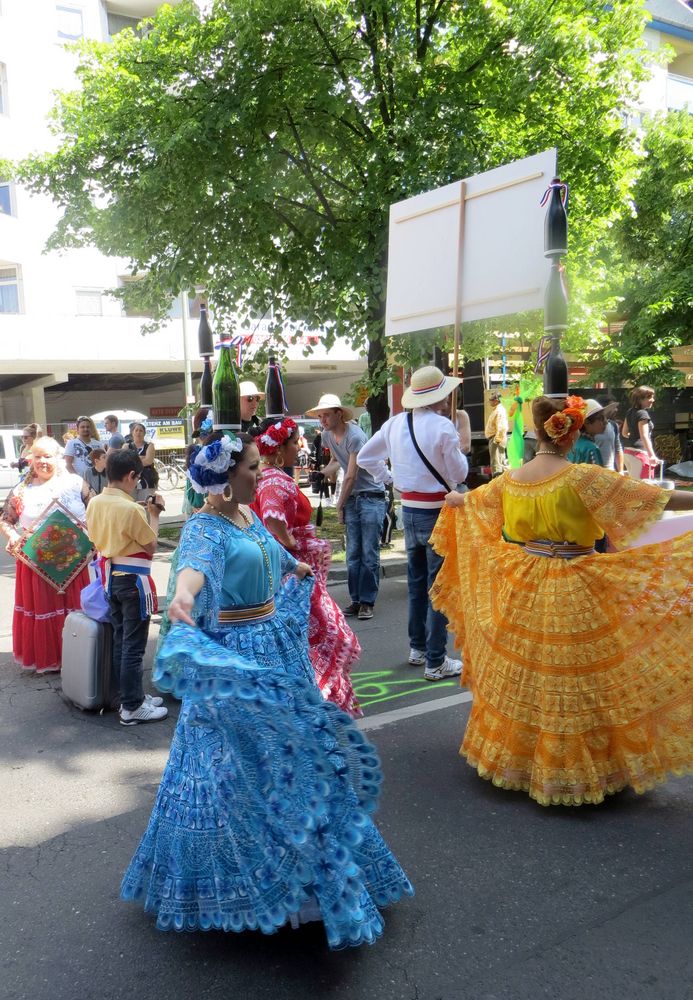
{"x":263,"y":809}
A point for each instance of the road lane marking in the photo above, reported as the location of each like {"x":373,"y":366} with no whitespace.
{"x":434,"y":705}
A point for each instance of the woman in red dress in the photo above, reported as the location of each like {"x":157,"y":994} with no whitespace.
{"x":286,"y":512}
{"x":39,"y":610}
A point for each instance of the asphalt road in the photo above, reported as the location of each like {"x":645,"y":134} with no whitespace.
{"x":512,"y":901}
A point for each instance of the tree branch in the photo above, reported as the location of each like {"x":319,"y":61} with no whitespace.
{"x":422,"y":46}
{"x":341,"y":71}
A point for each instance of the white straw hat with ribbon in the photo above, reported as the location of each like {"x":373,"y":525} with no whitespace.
{"x":328,"y":401}
{"x":427,"y":386}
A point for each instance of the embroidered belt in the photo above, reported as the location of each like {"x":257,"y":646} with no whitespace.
{"x":247,"y":613}
{"x":561,"y":550}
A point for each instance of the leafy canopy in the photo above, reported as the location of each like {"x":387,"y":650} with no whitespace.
{"x":655,"y":239}
{"x":255,"y":149}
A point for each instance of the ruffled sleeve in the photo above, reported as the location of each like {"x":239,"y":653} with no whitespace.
{"x":276,"y":498}
{"x":202,"y":548}
{"x":623,"y":507}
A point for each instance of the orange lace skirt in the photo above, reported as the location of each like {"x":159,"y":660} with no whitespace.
{"x":581,"y":670}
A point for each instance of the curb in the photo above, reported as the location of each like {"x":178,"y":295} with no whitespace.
{"x":388,"y":568}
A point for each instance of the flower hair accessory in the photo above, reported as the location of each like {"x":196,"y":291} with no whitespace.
{"x":275,"y":436}
{"x":209,"y":465}
{"x":564,"y":425}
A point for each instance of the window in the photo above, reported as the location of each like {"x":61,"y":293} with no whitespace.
{"x":7,"y":198}
{"x":89,"y":302}
{"x":118,"y":22}
{"x":3,"y":89}
{"x":679,"y":93}
{"x":9,"y":289}
{"x":70,"y":25}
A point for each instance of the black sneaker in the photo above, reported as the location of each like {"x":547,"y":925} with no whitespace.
{"x":353,"y":609}
{"x":365,"y":612}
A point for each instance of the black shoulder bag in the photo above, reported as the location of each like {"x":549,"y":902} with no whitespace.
{"x":434,"y":472}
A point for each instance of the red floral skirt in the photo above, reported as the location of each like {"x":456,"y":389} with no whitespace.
{"x":333,"y":647}
{"x":39,"y":616}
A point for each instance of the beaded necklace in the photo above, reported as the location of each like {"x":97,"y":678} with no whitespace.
{"x":258,"y":541}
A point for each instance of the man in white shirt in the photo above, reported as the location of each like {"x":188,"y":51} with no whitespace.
{"x":423,"y":494}
{"x":497,"y":433}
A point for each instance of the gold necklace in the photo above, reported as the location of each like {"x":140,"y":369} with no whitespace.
{"x":258,"y":541}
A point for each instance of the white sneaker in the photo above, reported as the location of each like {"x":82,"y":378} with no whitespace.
{"x":417,"y":658}
{"x":145,"y":713}
{"x":154,"y":700}
{"x":448,"y":668}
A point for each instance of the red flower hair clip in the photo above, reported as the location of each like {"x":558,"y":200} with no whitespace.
{"x":275,"y":436}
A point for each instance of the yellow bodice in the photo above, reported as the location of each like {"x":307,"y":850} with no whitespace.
{"x":579,"y":504}
{"x":550,"y":509}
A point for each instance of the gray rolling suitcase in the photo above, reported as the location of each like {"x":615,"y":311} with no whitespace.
{"x":86,"y":675}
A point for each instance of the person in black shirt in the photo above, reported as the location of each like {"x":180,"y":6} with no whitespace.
{"x":637,"y":431}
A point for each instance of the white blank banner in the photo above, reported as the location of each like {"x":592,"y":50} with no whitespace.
{"x":503,"y":269}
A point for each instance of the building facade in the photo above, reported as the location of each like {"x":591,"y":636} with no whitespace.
{"x":66,"y":346}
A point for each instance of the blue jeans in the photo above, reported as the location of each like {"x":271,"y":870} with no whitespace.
{"x":130,"y":632}
{"x":363,"y":517}
{"x":427,"y":628}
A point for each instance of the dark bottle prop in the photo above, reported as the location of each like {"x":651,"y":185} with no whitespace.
{"x":556,"y":296}
{"x":205,"y":341}
{"x":205,"y":391}
{"x":226,"y":392}
{"x":556,"y":221}
{"x":275,"y":398}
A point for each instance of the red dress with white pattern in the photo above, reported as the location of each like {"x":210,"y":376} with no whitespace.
{"x":333,"y":646}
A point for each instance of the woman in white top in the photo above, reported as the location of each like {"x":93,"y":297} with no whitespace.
{"x":39,"y":610}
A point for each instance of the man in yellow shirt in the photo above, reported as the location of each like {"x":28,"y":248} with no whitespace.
{"x":497,"y":433}
{"x":119,"y":529}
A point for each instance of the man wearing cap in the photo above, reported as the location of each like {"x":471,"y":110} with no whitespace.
{"x":361,"y":504}
{"x":496,"y":431}
{"x":250,"y":397}
{"x":423,"y":447}
{"x":586,"y":450}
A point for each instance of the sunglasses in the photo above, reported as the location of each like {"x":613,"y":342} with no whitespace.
{"x":252,"y":399}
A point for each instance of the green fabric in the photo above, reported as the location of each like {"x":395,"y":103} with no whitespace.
{"x":516,"y":444}
{"x":585,"y":452}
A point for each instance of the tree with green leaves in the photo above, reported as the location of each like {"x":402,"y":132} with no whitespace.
{"x":254,"y":149}
{"x":655,"y":241}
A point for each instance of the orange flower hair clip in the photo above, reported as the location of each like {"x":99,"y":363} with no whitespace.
{"x":568,"y":422}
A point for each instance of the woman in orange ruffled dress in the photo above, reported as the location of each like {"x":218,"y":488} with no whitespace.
{"x":579,"y":663}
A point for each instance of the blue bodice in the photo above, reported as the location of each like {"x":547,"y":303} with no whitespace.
{"x":233,"y":561}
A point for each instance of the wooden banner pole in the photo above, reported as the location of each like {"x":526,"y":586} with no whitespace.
{"x":458,"y":300}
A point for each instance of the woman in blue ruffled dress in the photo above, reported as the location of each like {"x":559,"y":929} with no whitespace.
{"x":262,"y":815}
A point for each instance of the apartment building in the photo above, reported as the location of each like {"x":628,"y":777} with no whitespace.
{"x":66,"y":346}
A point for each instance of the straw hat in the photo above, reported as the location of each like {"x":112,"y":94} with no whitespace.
{"x":250,"y":389}
{"x":593,"y":408}
{"x":328,"y":401}
{"x":427,"y":386}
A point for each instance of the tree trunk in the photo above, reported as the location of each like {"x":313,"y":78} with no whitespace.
{"x":377,"y":404}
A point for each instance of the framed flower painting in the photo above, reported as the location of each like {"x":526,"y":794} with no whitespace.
{"x":58,"y":548}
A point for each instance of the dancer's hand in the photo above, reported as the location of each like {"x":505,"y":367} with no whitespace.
{"x":180,"y":607}
{"x":455,"y":499}
{"x":302,"y":570}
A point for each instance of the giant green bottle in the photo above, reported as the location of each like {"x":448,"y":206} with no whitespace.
{"x":226,"y":393}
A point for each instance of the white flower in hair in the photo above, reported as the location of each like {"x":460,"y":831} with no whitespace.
{"x":218,"y":456}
